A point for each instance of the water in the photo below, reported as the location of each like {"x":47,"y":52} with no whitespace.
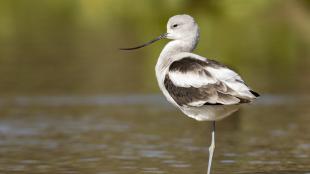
{"x":143,"y":134}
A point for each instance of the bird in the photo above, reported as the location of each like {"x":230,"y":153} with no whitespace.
{"x":201,"y":88}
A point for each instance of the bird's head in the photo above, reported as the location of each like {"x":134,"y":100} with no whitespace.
{"x":179,"y":27}
{"x":182,"y":27}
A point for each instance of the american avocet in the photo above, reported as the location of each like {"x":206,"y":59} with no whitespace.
{"x":201,"y":88}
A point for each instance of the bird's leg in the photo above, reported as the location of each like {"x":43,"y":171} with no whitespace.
{"x":211,"y":148}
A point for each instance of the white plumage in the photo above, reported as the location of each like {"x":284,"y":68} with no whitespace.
{"x":201,"y":88}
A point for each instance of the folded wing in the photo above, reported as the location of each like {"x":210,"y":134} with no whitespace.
{"x":195,"y":82}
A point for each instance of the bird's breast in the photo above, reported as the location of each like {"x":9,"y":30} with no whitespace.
{"x":161,"y":71}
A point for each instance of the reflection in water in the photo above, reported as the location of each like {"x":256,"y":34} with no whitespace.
{"x":82,"y":137}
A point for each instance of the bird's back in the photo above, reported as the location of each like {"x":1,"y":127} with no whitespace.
{"x":196,"y":84}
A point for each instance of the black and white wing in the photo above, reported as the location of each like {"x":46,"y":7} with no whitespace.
{"x":195,"y":82}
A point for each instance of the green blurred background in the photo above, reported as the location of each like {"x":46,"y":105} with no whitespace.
{"x":69,"y":47}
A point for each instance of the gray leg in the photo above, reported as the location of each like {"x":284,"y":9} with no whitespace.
{"x":211,"y":148}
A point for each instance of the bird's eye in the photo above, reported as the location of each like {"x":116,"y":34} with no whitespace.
{"x":175,"y":25}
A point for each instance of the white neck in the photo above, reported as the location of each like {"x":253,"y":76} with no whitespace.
{"x":172,"y":48}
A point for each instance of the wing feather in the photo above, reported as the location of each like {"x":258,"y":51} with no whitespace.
{"x":196,"y":82}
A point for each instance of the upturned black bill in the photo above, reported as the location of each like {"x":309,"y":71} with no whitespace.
{"x":148,"y":43}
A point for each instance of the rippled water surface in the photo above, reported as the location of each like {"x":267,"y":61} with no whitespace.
{"x":143,"y":134}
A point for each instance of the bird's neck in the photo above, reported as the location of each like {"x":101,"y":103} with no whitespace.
{"x":170,"y":50}
{"x":173,"y":48}
{"x":178,"y":46}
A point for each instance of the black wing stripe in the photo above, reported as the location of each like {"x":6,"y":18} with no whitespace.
{"x":181,"y":95}
{"x":187,"y":64}
{"x":213,"y":94}
{"x":190,"y":64}
{"x":209,"y":93}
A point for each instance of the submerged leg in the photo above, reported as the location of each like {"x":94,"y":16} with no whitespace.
{"x":211,"y":148}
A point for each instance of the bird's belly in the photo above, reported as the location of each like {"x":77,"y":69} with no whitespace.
{"x":209,"y":112}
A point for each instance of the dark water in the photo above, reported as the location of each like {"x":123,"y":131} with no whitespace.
{"x":142,"y":134}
